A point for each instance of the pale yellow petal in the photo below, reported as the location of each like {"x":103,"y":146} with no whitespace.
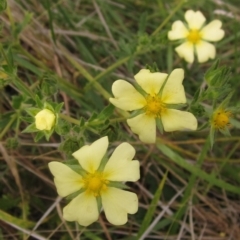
{"x":82,"y":209}
{"x":144,"y":126}
{"x":117,"y":204}
{"x":173,"y":91}
{"x":120,"y":166}
{"x":150,"y":82}
{"x":186,"y":51}
{"x":212,"y":31}
{"x":195,"y":20}
{"x":126,"y":97}
{"x":45,"y":119}
{"x":178,"y":31}
{"x":205,"y":51}
{"x":90,"y":156}
{"x":175,"y":120}
{"x":66,"y":180}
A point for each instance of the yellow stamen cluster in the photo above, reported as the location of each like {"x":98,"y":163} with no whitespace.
{"x":194,"y":36}
{"x":154,"y":106}
{"x":94,"y":183}
{"x":221,"y":119}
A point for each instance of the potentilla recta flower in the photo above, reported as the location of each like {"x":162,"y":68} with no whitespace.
{"x":97,"y":183}
{"x":45,"y":119}
{"x":154,"y":103}
{"x":195,"y":36}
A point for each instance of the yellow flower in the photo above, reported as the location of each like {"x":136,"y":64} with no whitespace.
{"x":154,"y":104}
{"x":96,"y":183}
{"x":221,"y":119}
{"x":195,"y":36}
{"x":45,"y":119}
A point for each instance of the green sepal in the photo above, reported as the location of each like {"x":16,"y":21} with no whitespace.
{"x":48,"y":133}
{"x":136,"y":113}
{"x":159,"y":125}
{"x":176,"y":106}
{"x":30,"y":128}
{"x":75,"y":194}
{"x":38,"y":136}
{"x":99,"y":203}
{"x":32,"y":111}
{"x":225,"y":132}
{"x":140,"y":90}
{"x":77,"y":168}
{"x":103,"y":163}
{"x":118,"y":185}
{"x":49,"y":106}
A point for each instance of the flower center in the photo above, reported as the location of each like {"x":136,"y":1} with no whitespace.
{"x":194,"y":36}
{"x":95,"y":183}
{"x":221,"y":119}
{"x":154,"y":106}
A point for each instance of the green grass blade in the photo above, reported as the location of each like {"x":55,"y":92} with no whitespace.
{"x":151,"y":210}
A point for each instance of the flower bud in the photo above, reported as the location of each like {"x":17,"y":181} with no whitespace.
{"x":45,"y":120}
